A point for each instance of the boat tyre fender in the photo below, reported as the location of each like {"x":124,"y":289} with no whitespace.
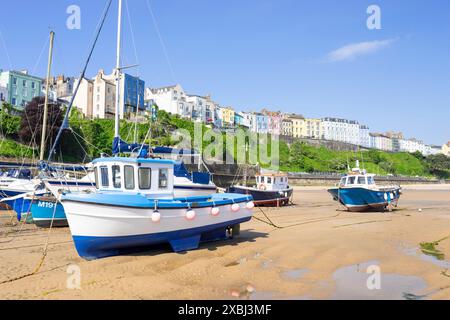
{"x":262,"y":187}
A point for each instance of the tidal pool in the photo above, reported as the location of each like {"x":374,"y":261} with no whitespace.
{"x":352,"y":284}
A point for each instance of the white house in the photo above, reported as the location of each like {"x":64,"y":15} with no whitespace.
{"x":84,"y":99}
{"x":343,"y":130}
{"x":171,"y":99}
{"x":413,"y":145}
{"x":364,"y":136}
{"x":250,"y":121}
{"x":203,"y":108}
{"x":104,"y":96}
{"x":381,"y":142}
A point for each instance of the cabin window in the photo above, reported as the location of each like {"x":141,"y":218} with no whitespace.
{"x":129,"y":177}
{"x":342,"y":181}
{"x":163,"y":180}
{"x":351,"y":180}
{"x":145,"y":178}
{"x":370,"y":180}
{"x":116,"y":177}
{"x":361,"y":180}
{"x":96,"y":177}
{"x":105,"y":177}
{"x":269,"y":180}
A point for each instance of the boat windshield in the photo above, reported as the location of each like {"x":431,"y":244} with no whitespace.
{"x":361,"y":180}
{"x":351,"y":180}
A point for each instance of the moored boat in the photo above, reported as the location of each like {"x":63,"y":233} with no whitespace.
{"x":271,"y":189}
{"x":133,"y":207}
{"x":358,"y":192}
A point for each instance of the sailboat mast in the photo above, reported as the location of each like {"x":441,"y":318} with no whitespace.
{"x":47,"y":88}
{"x":119,"y":34}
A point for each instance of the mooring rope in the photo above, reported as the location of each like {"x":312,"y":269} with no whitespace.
{"x":22,"y":223}
{"x":271,"y":223}
{"x":44,"y":253}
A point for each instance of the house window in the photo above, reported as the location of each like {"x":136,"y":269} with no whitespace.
{"x":13,"y":101}
{"x":129,"y":177}
{"x":14,"y":81}
{"x":33,"y":85}
{"x":116,"y":177}
{"x":24,"y":83}
{"x":145,"y":178}
{"x":105,"y":177}
{"x":163,"y":179}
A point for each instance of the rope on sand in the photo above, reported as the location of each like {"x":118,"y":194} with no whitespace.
{"x":22,"y":223}
{"x":44,"y":253}
{"x":271,"y":223}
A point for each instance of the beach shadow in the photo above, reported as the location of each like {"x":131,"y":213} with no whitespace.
{"x":157,"y":249}
{"x":245,"y":236}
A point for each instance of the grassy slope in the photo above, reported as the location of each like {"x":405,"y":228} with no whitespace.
{"x":12,"y":149}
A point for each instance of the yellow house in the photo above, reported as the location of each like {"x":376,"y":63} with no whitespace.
{"x":227,"y":116}
{"x":446,"y":149}
{"x":297,"y":125}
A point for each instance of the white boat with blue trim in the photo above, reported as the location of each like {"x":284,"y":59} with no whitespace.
{"x":133,"y":207}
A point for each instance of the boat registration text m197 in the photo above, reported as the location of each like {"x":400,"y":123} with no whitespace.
{"x":43,"y":204}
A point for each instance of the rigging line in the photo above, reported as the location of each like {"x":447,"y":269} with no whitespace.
{"x":81,"y":146}
{"x":81,"y":77}
{"x":6,"y":50}
{"x":138,"y":69}
{"x":155,"y":23}
{"x":85,"y":140}
{"x":40,"y":55}
{"x":133,"y":39}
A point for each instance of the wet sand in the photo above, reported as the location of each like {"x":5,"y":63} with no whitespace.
{"x":320,"y":252}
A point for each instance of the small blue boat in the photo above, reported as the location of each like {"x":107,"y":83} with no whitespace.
{"x":47,"y":212}
{"x":358,"y":192}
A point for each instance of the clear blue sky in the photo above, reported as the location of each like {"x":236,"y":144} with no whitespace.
{"x":276,"y":54}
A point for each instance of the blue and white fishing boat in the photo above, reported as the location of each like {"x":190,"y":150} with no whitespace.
{"x":358,"y":192}
{"x":133,"y":207}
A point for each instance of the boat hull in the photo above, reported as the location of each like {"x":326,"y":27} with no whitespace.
{"x":363,"y":199}
{"x":45,"y":214}
{"x":265,"y":197}
{"x":20,"y":206}
{"x":101,"y":230}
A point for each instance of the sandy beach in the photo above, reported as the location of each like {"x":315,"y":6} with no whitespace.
{"x":312,"y":250}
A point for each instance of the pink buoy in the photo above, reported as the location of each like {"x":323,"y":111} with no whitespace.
{"x":235,"y":207}
{"x":156,"y":216}
{"x":215,"y":211}
{"x":190,"y":215}
{"x":250,"y":205}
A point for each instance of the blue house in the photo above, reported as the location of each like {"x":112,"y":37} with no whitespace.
{"x":133,"y":91}
{"x":262,"y":123}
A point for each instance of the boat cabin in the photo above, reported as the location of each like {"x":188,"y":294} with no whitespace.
{"x":357,"y":180}
{"x":134,"y":175}
{"x":272,"y":182}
